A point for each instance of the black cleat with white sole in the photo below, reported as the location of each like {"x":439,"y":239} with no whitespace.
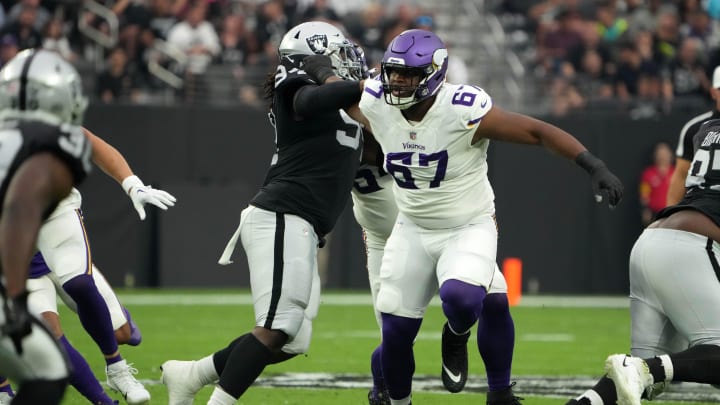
{"x":454,"y":359}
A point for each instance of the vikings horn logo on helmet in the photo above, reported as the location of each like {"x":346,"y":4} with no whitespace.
{"x":318,"y":43}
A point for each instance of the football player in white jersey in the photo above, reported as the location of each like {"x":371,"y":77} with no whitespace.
{"x":435,"y":136}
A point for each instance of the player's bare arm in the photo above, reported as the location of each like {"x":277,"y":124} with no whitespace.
{"x":109,"y":159}
{"x":114,"y":164}
{"x":37,"y":186}
{"x":507,"y":126}
{"x":676,"y":191}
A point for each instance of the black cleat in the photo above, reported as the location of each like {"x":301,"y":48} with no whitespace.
{"x":504,"y":397}
{"x":378,"y":398}
{"x":454,"y":359}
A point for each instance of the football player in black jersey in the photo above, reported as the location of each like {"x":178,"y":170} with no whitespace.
{"x":318,"y":148}
{"x":43,"y":154}
{"x":684,"y":150}
{"x":674,"y":291}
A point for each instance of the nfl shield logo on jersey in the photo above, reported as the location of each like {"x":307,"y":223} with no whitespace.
{"x":413,"y":135}
{"x":318,"y":43}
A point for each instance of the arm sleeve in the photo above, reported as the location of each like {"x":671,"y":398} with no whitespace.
{"x":312,"y":100}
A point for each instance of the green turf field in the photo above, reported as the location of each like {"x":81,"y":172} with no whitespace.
{"x":559,"y":350}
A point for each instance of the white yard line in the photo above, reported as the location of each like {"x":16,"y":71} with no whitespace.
{"x":225,"y":298}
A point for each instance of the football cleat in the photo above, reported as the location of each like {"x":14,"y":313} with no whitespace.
{"x":503,"y":397}
{"x":454,"y":359}
{"x":181,"y":381}
{"x":5,"y":398}
{"x":121,"y":378}
{"x":631,"y":376}
{"x":380,"y":397}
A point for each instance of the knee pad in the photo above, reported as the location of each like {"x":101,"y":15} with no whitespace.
{"x":389,"y":300}
{"x":301,"y":342}
{"x":461,"y":296}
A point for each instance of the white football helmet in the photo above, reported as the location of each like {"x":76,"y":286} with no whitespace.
{"x":40,"y":84}
{"x":317,"y":37}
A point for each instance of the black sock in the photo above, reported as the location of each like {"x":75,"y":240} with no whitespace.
{"x":220,"y":357}
{"x":698,"y":364}
{"x":244,"y":364}
{"x":656,"y":369}
{"x":606,"y":389}
{"x":40,"y":392}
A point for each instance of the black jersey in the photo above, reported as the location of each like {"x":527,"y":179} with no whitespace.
{"x":316,"y":158}
{"x":21,"y":139}
{"x":703,"y":180}
{"x":685,"y":149}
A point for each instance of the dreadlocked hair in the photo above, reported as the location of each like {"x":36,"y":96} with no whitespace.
{"x":269,"y":87}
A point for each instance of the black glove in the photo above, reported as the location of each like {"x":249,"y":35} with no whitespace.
{"x":319,"y":67}
{"x":601,"y":178}
{"x":18,"y":322}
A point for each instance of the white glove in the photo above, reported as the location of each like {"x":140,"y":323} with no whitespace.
{"x":140,"y":194}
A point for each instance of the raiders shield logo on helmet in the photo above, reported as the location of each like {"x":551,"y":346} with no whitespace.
{"x":318,"y":43}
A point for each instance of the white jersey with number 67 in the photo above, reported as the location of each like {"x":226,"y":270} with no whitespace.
{"x":440,"y":177}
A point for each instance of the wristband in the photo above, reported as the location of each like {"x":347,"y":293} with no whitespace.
{"x":587,"y":161}
{"x":131,"y":181}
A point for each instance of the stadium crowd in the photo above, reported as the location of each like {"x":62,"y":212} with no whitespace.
{"x":646,"y":57}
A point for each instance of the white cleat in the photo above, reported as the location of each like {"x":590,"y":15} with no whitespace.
{"x":630,"y":375}
{"x":181,"y":381}
{"x":121,"y":378}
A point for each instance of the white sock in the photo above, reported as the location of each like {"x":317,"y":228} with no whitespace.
{"x":404,"y":401}
{"x":220,"y":397}
{"x":668,"y":366}
{"x":593,"y":396}
{"x":206,"y":370}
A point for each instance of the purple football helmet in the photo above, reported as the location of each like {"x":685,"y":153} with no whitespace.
{"x":414,"y":53}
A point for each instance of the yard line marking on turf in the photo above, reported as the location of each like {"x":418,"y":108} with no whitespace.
{"x":359,"y":299}
{"x":436,"y":336}
{"x":565,"y":387}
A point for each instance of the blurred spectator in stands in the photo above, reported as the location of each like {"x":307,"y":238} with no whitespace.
{"x":610,"y":26}
{"x":654,"y":182}
{"x":592,"y":79}
{"x":666,"y":38}
{"x":41,"y":17}
{"x":163,"y":17}
{"x":272,"y":23}
{"x":686,"y":8}
{"x":629,"y":69}
{"x":699,"y":25}
{"x":320,"y":10}
{"x":397,"y":20}
{"x":591,"y":43}
{"x":565,"y":96}
{"x":196,"y":37}
{"x":238,"y":45}
{"x":8,"y":48}
{"x":556,"y":42}
{"x":641,"y":15}
{"x":54,"y":39}
{"x":650,"y":100}
{"x":135,"y":34}
{"x":365,"y":27}
{"x":23,"y":28}
{"x":685,"y":77}
{"x":117,"y":82}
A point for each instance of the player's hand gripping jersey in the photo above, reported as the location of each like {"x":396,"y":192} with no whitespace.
{"x":302,"y":181}
{"x":21,"y":139}
{"x":441,"y":179}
